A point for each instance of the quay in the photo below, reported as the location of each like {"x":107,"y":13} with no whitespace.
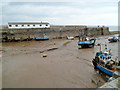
{"x":22,"y":31}
{"x":112,"y":84}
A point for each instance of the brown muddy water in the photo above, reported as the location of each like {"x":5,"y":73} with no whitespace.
{"x":66,"y":67}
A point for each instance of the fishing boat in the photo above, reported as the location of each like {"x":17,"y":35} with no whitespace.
{"x":86,"y":43}
{"x":113,"y":39}
{"x":104,"y":63}
{"x":41,"y":38}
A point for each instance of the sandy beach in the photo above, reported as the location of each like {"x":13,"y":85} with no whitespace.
{"x":66,"y":67}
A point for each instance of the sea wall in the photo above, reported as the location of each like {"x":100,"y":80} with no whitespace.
{"x":52,"y":32}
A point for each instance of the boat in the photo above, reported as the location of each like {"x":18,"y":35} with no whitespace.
{"x":86,"y":43}
{"x":70,"y":37}
{"x":2,"y":49}
{"x":41,"y":38}
{"x":113,"y":39}
{"x":103,"y":69}
{"x":104,"y":63}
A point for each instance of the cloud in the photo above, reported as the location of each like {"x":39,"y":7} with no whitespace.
{"x":83,"y":12}
{"x":60,"y":0}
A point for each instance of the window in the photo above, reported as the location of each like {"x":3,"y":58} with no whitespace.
{"x":28,"y":25}
{"x":10,"y":25}
{"x":46,"y":24}
{"x":40,"y":25}
{"x":16,"y":25}
{"x":22,"y":25}
{"x":34,"y":25}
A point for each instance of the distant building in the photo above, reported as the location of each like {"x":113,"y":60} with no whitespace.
{"x":23,"y":25}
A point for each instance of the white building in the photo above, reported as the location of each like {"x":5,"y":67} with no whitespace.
{"x":20,"y":25}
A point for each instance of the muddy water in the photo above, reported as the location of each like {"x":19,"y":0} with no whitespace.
{"x":65,"y":67}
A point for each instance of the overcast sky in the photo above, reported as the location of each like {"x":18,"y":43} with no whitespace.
{"x":62,"y":12}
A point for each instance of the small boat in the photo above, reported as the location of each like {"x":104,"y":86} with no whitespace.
{"x":104,"y":63}
{"x":2,"y":49}
{"x":87,"y":43}
{"x":41,"y":38}
{"x":70,"y":38}
{"x":113,"y":39}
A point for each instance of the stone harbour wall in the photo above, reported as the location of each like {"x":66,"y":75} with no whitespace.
{"x":52,"y":32}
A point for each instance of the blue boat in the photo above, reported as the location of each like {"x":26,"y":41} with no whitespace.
{"x":103,"y":69}
{"x":86,"y":44}
{"x":41,"y":38}
{"x":104,"y":63}
{"x":113,"y":39}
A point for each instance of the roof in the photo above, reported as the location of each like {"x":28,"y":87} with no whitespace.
{"x":28,"y":23}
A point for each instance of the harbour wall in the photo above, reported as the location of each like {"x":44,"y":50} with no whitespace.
{"x":52,"y":32}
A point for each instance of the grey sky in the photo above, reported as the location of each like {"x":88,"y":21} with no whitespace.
{"x":86,"y":12}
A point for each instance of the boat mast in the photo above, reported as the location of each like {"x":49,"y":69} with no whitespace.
{"x":105,"y":47}
{"x":100,"y":48}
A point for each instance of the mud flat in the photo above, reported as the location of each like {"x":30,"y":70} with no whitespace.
{"x":65,"y":67}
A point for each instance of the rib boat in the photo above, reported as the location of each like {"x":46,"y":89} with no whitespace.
{"x":113,"y":39}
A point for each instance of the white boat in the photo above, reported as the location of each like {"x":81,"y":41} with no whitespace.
{"x":70,"y":37}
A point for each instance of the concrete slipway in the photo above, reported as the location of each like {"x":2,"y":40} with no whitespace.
{"x":112,"y":84}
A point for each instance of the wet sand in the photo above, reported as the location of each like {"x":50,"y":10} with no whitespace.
{"x":66,"y":67}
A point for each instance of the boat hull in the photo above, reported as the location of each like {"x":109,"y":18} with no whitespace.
{"x":41,"y":38}
{"x":102,"y":69}
{"x":86,"y":44}
{"x":112,"y":40}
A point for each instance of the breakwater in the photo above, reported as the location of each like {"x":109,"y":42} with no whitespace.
{"x":52,"y":32}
